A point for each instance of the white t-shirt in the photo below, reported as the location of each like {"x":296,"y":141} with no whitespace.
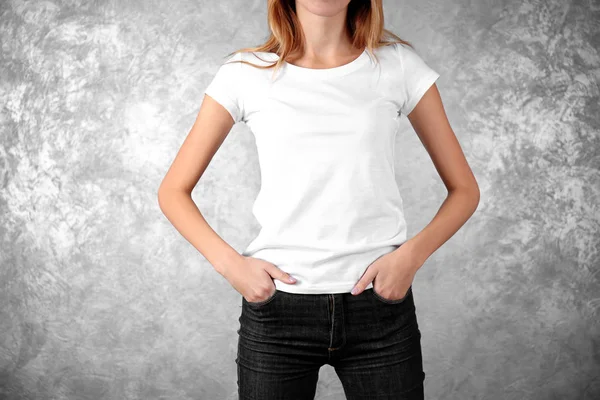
{"x":329,"y":204}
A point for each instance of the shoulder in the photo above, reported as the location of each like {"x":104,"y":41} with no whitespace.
{"x":394,"y":56}
{"x":399,"y":53}
{"x":408,"y":62}
{"x":253,"y":57}
{"x":245,"y":64}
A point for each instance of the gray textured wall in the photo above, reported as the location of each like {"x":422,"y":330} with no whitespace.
{"x":101,"y":298}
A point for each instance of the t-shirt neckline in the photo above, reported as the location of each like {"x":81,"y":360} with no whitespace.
{"x":327,"y":72}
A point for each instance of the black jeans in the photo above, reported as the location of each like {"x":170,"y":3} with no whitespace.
{"x":373,"y":343}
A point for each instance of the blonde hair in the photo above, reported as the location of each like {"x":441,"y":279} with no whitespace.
{"x":364,"y":20}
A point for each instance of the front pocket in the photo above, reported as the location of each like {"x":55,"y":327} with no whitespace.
{"x":262,"y":302}
{"x":389,"y":301}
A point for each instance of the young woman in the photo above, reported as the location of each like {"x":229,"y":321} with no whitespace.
{"x":328,"y":280}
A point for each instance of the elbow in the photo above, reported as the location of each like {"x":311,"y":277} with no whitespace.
{"x":469,"y":193}
{"x":474,"y":190}
{"x":475,"y":195}
{"x":162,"y":196}
{"x":165,"y":194}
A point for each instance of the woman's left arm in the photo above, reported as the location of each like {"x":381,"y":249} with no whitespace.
{"x":431,"y":124}
{"x":395,"y":270}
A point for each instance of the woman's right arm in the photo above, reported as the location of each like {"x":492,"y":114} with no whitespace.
{"x":210,"y":129}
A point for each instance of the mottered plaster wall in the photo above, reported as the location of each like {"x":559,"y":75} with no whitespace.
{"x":101,"y":298}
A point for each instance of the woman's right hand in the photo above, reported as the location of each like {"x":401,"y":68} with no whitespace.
{"x":253,"y":278}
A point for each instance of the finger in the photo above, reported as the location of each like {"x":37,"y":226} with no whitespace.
{"x":279,"y":274}
{"x":362,"y":283}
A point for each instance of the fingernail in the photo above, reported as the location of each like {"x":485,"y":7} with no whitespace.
{"x":292,"y":279}
{"x":354,"y":290}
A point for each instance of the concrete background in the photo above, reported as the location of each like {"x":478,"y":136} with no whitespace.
{"x":101,"y":298}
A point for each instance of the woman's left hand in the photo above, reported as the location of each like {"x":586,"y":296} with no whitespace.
{"x":395,"y":272}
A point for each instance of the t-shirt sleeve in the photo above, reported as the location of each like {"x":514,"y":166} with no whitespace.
{"x":417,"y":77}
{"x":225,"y":87}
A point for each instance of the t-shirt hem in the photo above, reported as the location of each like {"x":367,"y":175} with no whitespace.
{"x":345,"y":287}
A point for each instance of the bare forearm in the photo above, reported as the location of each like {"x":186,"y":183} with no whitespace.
{"x":458,"y":207}
{"x":182,"y":212}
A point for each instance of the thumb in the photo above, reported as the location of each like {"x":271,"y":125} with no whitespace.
{"x":364,"y":280}
{"x":277,"y":273}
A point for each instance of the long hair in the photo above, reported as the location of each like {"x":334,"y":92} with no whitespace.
{"x":364,"y":22}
